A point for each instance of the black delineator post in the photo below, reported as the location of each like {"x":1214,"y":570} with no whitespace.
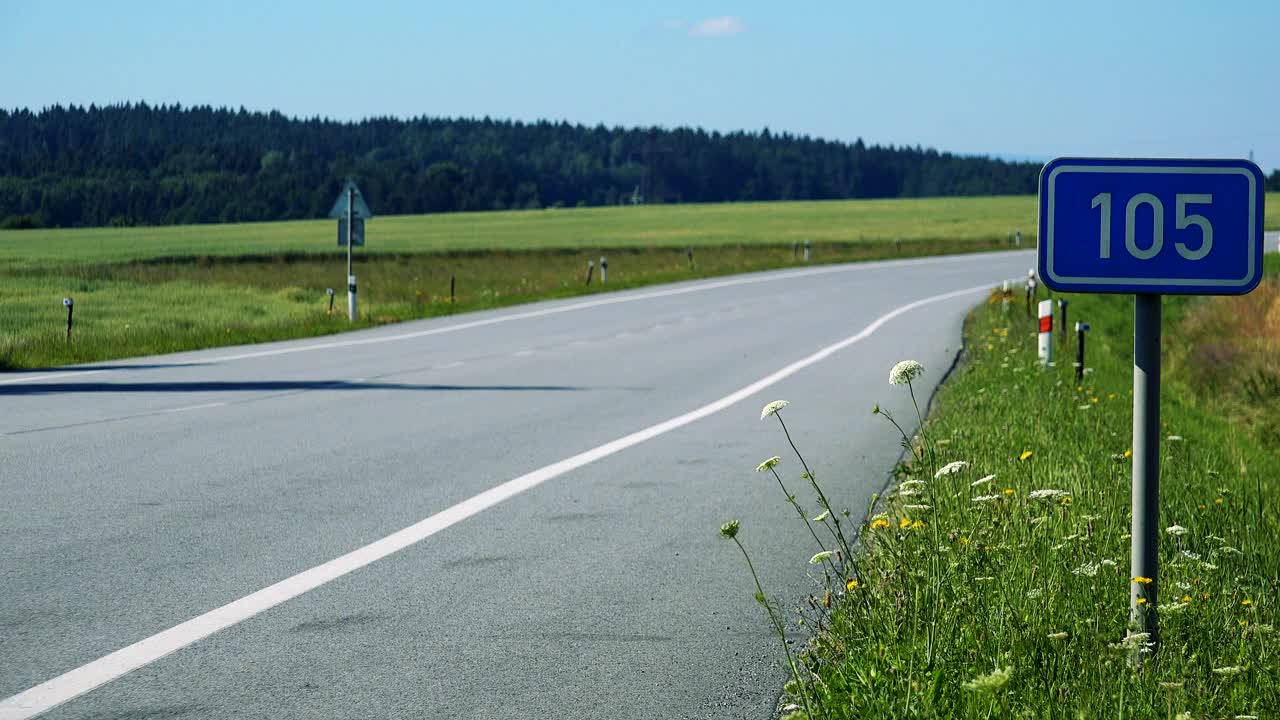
{"x":70,"y":308}
{"x":452,"y":282}
{"x":1062,"y":306}
{"x":1081,"y":329}
{"x":591,"y":267}
{"x":689,"y":251}
{"x":795,"y":250}
{"x":329,"y":291}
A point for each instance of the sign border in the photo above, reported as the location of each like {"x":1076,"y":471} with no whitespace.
{"x":1183,"y":286}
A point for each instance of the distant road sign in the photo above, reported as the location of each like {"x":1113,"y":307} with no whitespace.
{"x":361,"y":209}
{"x":1151,"y":226}
{"x":357,"y":229}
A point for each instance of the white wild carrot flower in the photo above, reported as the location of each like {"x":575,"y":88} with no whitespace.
{"x":909,"y":484}
{"x":1059,"y":636}
{"x":992,"y":682}
{"x":729,"y":529}
{"x":987,"y":498}
{"x":982,"y":481}
{"x":773,"y":408}
{"x":1176,"y":530}
{"x":1174,"y":438}
{"x":768,"y":464}
{"x":1190,"y":555}
{"x":1089,"y":569}
{"x":821,"y":557}
{"x":1133,"y":641}
{"x":823,"y":517}
{"x":919,"y":507}
{"x":1229,"y":670}
{"x":951,"y":468}
{"x":904,"y":372}
{"x":1048,"y":494}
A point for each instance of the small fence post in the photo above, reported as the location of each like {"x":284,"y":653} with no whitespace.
{"x":1045,"y":341}
{"x":70,"y":304}
{"x":591,"y":266}
{"x":329,"y":292}
{"x":1081,"y":329}
{"x":604,"y":270}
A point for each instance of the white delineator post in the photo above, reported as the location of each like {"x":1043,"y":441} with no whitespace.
{"x":351,"y":241}
{"x":1046,"y":332}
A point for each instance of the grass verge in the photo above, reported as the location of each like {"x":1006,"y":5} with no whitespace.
{"x":153,"y":306}
{"x":994,"y":579}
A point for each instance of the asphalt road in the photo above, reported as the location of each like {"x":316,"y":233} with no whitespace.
{"x":142,"y":494}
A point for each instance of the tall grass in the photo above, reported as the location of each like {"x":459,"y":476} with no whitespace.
{"x":994,"y":581}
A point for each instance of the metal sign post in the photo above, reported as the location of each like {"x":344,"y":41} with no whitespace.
{"x":351,"y":211}
{"x":1149,"y":228}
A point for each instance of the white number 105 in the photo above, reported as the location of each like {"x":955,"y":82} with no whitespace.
{"x":1181,"y":221}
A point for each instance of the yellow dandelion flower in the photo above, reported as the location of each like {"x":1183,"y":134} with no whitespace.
{"x":1142,"y":601}
{"x":918,"y":525}
{"x":1142,"y":580}
{"x":964,"y":540}
{"x":1093,"y":400}
{"x":904,"y":523}
{"x":852,"y":584}
{"x":1186,"y":598}
{"x":1246,"y":602}
{"x":1128,"y":453}
{"x":1205,"y":596}
{"x":1009,"y":491}
{"x":1066,"y":500}
{"x":1218,"y":501}
{"x":880,"y":524}
{"x":1026,"y":455}
{"x":1111,"y":396}
{"x":1079,"y":388}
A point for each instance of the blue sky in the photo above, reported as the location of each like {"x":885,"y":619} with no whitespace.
{"x":1036,"y":79}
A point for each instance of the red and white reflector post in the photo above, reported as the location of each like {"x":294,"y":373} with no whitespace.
{"x":1046,"y":332}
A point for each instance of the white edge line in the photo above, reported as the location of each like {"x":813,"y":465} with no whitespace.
{"x":771,"y":276}
{"x":72,"y":684}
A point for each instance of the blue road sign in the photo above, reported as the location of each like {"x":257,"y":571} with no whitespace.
{"x":1191,"y":227}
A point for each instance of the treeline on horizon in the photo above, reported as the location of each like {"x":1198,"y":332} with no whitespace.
{"x":136,"y":164}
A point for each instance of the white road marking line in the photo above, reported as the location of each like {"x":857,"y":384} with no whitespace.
{"x":55,"y":376}
{"x":601,"y":302}
{"x":72,"y":684}
{"x":195,"y":407}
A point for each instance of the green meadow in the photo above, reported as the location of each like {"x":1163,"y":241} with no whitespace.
{"x":141,"y":291}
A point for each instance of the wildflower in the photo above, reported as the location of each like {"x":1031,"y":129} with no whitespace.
{"x":823,"y":517}
{"x":1128,"y":453}
{"x":918,"y":525}
{"x":1229,"y":550}
{"x":1048,"y":494}
{"x":1026,"y":455}
{"x":1186,"y":600}
{"x":729,"y":529}
{"x":1208,"y":566}
{"x":904,"y":372}
{"x":1009,"y":492}
{"x":1035,"y":593}
{"x":919,"y":507}
{"x":982,"y":481}
{"x":1176,"y":530}
{"x":1246,"y":602}
{"x":986,"y":498}
{"x":1246,"y":717}
{"x":1089,"y":569}
{"x":909,"y":484}
{"x":992,"y":682}
{"x":1142,"y":580}
{"x":1141,"y":601}
{"x":876,"y":410}
{"x":1111,"y":396}
{"x":1184,"y":715}
{"x":1083,"y":407}
{"x":951,"y":468}
{"x":768,"y":464}
{"x":1229,"y":670}
{"x":880,"y":523}
{"x":1172,"y":608}
{"x":1172,"y":685}
{"x":1217,"y":501}
{"x":1174,"y":438}
{"x":1190,"y":555}
{"x":1093,"y":400}
{"x":1133,"y":641}
{"x":821,"y":557}
{"x":852,"y":584}
{"x":1059,"y":636}
{"x":1262,"y":629}
{"x":772,"y":408}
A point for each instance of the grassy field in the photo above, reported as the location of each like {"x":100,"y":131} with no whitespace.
{"x":1002,"y":589}
{"x":663,"y":226}
{"x":154,"y":290}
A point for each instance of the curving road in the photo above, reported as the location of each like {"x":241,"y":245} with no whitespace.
{"x":506,"y":514}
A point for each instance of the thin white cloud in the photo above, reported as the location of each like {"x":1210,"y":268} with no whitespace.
{"x":717,"y":26}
